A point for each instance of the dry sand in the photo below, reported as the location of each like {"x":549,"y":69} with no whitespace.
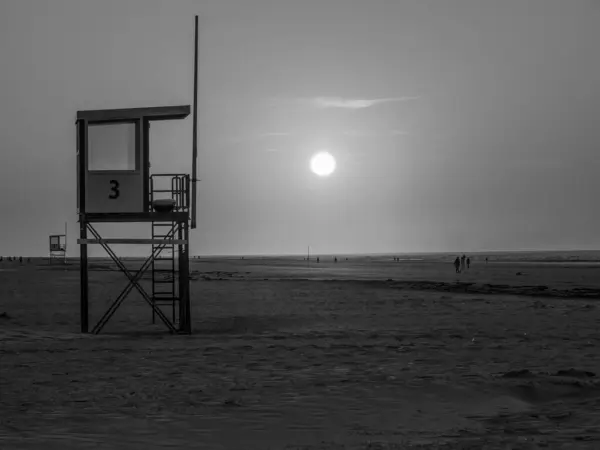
{"x":353,"y":355}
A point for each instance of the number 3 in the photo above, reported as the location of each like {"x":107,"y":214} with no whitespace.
{"x":114,"y":187}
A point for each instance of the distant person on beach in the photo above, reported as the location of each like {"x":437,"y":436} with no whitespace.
{"x":486,"y":260}
{"x":317,"y":259}
{"x":457,"y":264}
{"x":462,"y":262}
{"x":468,"y":262}
{"x":335,"y":259}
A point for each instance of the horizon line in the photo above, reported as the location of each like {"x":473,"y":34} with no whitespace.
{"x":273,"y":255}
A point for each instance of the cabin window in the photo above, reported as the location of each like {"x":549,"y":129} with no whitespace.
{"x":112,"y":146}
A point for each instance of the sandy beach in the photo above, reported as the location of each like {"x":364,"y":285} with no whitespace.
{"x":359,"y":354}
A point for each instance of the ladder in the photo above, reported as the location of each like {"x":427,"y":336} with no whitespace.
{"x":165,"y":267}
{"x":165,"y":271}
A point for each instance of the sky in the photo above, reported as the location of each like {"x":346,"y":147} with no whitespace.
{"x":457,"y":125}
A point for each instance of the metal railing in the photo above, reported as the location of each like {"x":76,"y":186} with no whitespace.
{"x":179,"y":190}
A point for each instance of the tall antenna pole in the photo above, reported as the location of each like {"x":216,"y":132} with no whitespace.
{"x":195,"y":126}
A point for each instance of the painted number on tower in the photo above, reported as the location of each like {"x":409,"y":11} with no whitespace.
{"x":114,"y":189}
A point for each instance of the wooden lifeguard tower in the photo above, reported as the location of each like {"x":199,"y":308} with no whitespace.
{"x":115,"y":185}
{"x":58,"y":247}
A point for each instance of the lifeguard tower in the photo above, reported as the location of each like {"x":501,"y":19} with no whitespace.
{"x":115,"y":185}
{"x":58,"y":247}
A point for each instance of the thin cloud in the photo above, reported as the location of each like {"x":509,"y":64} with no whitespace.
{"x":275,"y":134}
{"x":340,"y":102}
{"x":345,"y":103}
{"x":367,"y":134}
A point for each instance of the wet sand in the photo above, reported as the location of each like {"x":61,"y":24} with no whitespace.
{"x":353,"y":355}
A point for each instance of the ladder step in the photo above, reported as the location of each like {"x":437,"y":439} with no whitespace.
{"x":163,"y":259}
{"x":164,"y":281}
{"x":166,"y":299}
{"x":163,"y":271}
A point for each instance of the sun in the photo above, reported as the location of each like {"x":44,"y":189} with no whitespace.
{"x":322,"y":164}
